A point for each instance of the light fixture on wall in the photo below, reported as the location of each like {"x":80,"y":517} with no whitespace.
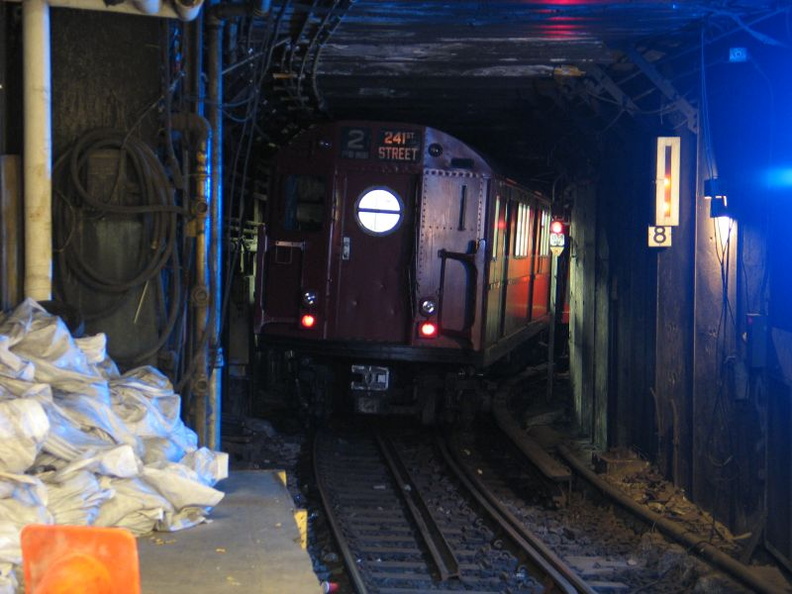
{"x":715,"y":192}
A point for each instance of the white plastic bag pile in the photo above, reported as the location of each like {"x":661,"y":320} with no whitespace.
{"x":82,"y":444}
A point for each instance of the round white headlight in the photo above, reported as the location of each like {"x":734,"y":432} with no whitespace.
{"x":428,"y":306}
{"x":309,"y":298}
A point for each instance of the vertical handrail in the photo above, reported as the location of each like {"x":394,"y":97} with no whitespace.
{"x":469,"y":261}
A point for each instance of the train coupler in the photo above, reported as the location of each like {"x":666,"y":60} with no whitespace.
{"x":369,"y":386}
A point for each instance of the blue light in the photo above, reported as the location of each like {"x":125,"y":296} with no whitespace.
{"x":778,"y":178}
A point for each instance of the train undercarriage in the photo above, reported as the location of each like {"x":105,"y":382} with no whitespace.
{"x":318,"y":385}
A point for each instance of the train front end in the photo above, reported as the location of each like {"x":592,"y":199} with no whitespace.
{"x":372,"y":264}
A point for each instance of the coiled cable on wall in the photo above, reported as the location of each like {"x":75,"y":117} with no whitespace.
{"x":140,"y":190}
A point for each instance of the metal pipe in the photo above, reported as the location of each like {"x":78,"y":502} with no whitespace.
{"x":214,"y":114}
{"x":677,"y":531}
{"x":227,"y":10}
{"x":10,"y":230}
{"x":201,"y":297}
{"x":551,"y":338}
{"x":185,"y":10}
{"x":199,"y":129}
{"x":37,"y":152}
{"x":148,"y":6}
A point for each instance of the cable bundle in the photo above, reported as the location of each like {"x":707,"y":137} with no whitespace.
{"x":140,"y":191}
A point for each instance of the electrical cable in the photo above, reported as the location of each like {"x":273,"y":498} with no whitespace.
{"x":719,"y":451}
{"x":260,"y":63}
{"x":140,"y":192}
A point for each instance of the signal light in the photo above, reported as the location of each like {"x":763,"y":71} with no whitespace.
{"x":667,"y":181}
{"x":308,"y":321}
{"x":557,"y":236}
{"x":427,"y":330}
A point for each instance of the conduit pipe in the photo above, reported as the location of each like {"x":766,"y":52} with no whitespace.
{"x":688,"y":539}
{"x":148,"y":6}
{"x":205,"y":410}
{"x":227,"y":10}
{"x":185,"y":10}
{"x":37,"y":152}
{"x":37,"y":101}
{"x":214,"y":113}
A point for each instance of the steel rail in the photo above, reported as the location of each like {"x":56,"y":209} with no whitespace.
{"x":444,"y":558}
{"x":349,"y":558}
{"x":544,"y":560}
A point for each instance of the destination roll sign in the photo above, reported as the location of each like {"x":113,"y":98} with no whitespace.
{"x":398,"y":145}
{"x":402,"y":146}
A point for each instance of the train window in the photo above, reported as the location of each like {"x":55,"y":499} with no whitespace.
{"x":304,"y":203}
{"x":523,"y":236}
{"x":379,"y":211}
{"x":496,"y":228}
{"x":544,"y":237}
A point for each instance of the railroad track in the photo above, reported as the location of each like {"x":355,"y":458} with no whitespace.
{"x":414,"y":513}
{"x":407,"y":520}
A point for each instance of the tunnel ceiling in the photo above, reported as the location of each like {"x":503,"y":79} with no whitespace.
{"x":535,"y":85}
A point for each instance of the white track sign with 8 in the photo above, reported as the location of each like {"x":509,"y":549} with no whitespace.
{"x":660,"y":236}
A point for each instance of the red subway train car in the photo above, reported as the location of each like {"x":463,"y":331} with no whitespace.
{"x":393,"y":254}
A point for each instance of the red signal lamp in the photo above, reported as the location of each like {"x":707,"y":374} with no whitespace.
{"x":308,"y":321}
{"x":557,"y":236}
{"x":427,"y":330}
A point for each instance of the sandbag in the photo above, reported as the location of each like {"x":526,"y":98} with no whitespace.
{"x":95,"y":350}
{"x":11,"y":365}
{"x":136,"y":505}
{"x":145,"y":401}
{"x":75,"y":497}
{"x":23,"y":427}
{"x":42,"y":339}
{"x":97,"y":447}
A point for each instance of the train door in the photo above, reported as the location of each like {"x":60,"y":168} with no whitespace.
{"x":372,"y":285}
{"x":293,"y":264}
{"x":451,"y":255}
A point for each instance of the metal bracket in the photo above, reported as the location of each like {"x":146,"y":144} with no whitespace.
{"x":664,"y":85}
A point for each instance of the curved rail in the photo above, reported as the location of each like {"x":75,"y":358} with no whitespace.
{"x":349,"y":558}
{"x":444,"y":558}
{"x":544,"y":560}
{"x":388,"y":495}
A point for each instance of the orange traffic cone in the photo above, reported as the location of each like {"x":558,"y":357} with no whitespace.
{"x":85,"y":559}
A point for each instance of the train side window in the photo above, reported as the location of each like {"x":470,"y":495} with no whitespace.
{"x":304,"y":203}
{"x":379,"y":211}
{"x":496,"y":228}
{"x":544,"y":241}
{"x":523,"y":230}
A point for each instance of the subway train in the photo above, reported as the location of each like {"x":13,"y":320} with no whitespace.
{"x":395,"y":264}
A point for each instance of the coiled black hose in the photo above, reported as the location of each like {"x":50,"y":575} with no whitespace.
{"x":141,"y":190}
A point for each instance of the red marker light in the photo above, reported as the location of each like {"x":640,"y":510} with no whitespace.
{"x":556,"y":227}
{"x":427,"y":330}
{"x":307,"y":321}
